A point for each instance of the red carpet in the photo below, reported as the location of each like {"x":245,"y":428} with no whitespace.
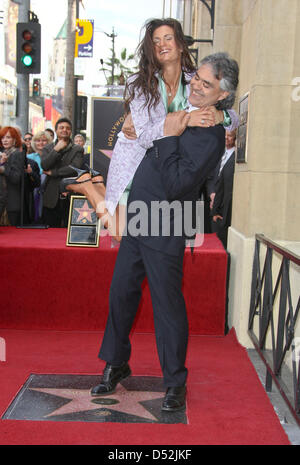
{"x":51,"y":286}
{"x":53,"y":311}
{"x":226,"y":403}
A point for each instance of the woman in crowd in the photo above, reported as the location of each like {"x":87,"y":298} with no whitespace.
{"x":80,"y":140}
{"x":11,"y":172}
{"x":28,"y":142}
{"x":39,"y":141}
{"x":51,"y":133}
{"x":160,"y":86}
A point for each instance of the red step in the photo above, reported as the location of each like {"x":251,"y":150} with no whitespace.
{"x":48,"y":285}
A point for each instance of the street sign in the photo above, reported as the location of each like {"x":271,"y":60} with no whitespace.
{"x":84,"y":38}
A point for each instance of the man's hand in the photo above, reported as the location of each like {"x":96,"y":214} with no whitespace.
{"x":175,"y":123}
{"x":212,"y":198}
{"x":217,"y":217}
{"x":61,"y":144}
{"x":48,"y":173}
{"x":128,"y":128}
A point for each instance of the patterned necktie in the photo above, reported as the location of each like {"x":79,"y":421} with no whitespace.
{"x":223,"y":159}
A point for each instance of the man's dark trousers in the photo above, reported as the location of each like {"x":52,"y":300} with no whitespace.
{"x":134,"y":262}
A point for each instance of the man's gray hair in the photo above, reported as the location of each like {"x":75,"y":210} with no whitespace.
{"x":226,"y":70}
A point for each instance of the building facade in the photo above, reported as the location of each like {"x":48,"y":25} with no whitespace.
{"x":264,"y":37}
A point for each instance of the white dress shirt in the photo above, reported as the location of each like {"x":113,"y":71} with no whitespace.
{"x":225,"y":158}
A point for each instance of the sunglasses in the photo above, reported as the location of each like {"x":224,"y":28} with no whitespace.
{"x":27,"y":138}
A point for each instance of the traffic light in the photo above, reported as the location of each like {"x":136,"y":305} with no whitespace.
{"x":36,"y":88}
{"x":28,"y":48}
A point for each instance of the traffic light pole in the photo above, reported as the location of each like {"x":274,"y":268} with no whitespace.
{"x":75,"y":106}
{"x":23,"y":79}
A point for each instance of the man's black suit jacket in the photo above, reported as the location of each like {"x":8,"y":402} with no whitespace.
{"x":59,"y":163}
{"x":223,"y":199}
{"x":171,"y":171}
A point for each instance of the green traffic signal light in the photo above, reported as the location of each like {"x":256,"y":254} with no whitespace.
{"x":27,"y":60}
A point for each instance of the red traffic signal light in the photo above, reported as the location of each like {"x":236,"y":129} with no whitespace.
{"x":28,"y":48}
{"x":27,"y":35}
{"x":36,"y":88}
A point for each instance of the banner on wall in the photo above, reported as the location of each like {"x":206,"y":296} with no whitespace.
{"x":10,"y":34}
{"x":107,"y":119}
{"x":8,"y":102}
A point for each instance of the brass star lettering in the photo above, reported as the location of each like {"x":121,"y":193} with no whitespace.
{"x":85,"y":213}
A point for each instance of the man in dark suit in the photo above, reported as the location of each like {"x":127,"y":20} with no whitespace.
{"x":170,"y":175}
{"x":56,"y":160}
{"x":222,"y":203}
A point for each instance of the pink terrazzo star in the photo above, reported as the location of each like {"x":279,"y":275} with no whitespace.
{"x":81,"y":400}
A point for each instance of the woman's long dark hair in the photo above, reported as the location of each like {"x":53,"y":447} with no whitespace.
{"x":144,"y":81}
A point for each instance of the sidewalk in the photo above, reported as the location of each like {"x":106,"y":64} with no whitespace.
{"x":287,"y":420}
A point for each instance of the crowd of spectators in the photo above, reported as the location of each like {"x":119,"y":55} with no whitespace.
{"x":31,"y":168}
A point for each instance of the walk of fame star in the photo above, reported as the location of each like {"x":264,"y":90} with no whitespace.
{"x":81,"y":400}
{"x":85,"y":213}
{"x":67,"y":397}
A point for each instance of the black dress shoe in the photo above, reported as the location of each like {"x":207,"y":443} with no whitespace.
{"x":174,"y":399}
{"x":111,"y":377}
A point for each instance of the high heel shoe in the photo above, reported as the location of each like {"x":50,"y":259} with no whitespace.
{"x":74,"y":181}
{"x":78,"y":170}
{"x":95,"y":174}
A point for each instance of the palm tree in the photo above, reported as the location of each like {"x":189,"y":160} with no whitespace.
{"x":121,"y":67}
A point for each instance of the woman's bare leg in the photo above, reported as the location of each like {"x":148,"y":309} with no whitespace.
{"x":116,"y":224}
{"x":95,"y":193}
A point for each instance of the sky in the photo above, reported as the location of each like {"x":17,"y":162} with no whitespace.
{"x":125,"y":16}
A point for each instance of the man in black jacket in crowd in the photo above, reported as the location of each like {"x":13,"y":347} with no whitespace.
{"x":56,"y":160}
